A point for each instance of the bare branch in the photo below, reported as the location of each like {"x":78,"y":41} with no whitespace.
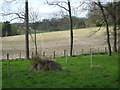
{"x":104,"y":43}
{"x":57,"y":4}
{"x":10,"y":1}
{"x":80,"y":5}
{"x":14,"y":14}
{"x":14,"y":18}
{"x":97,"y":30}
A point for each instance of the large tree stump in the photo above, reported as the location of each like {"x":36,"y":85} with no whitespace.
{"x":43,"y":64}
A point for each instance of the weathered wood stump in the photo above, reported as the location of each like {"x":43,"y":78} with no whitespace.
{"x":44,"y":64}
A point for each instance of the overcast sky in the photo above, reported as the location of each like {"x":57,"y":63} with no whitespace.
{"x":45,"y":11}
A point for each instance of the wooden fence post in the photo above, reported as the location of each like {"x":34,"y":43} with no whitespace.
{"x":66,"y":59}
{"x":64,"y":52}
{"x":32,"y":55}
{"x":20,"y":55}
{"x":90,"y":50}
{"x":98,"y":51}
{"x":91,"y":64}
{"x":8,"y":74}
{"x":105,"y":49}
{"x":93,"y":51}
{"x":7,"y":56}
{"x":54,"y":55}
{"x":82,"y":51}
{"x":73,"y":52}
{"x":43,"y":54}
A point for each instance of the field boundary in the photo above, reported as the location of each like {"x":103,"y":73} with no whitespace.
{"x":54,"y":54}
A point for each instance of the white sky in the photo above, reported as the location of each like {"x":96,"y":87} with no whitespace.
{"x":45,"y":11}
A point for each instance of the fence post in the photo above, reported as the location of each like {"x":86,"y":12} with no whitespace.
{"x":20,"y":55}
{"x":73,"y":51}
{"x":90,"y":50}
{"x":93,"y":50}
{"x":32,"y":55}
{"x":43,"y":54}
{"x":66,"y":59}
{"x":8,"y":74}
{"x":54,"y":55}
{"x":98,"y":51}
{"x":7,"y":56}
{"x":82,"y":51}
{"x":105,"y":49}
{"x":91,"y":60}
{"x":64,"y":52}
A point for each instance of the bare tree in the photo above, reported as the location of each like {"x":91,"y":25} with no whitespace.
{"x":34,"y":17}
{"x":7,"y":11}
{"x":71,"y":28}
{"x":118,"y":12}
{"x":25,"y":17}
{"x":58,"y":3}
{"x":107,"y":26}
{"x":112,"y":9}
{"x":27,"y":29}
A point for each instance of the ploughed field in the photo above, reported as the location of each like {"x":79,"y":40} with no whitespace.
{"x":56,"y":41}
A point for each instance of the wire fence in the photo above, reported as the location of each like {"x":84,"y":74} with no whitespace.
{"x":53,"y":54}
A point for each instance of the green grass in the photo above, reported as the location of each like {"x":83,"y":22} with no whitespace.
{"x":79,"y":74}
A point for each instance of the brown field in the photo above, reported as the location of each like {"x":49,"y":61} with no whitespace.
{"x":56,"y":41}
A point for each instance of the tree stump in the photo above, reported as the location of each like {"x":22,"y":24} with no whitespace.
{"x":44,"y":64}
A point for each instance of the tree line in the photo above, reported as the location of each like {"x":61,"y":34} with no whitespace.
{"x":58,"y":24}
{"x":54,"y":24}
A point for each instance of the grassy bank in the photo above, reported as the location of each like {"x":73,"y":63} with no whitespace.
{"x":103,"y":74}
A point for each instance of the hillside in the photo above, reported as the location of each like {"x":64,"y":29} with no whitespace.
{"x":57,"y":41}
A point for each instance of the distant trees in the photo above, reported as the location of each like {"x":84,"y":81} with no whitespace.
{"x":6,"y":29}
{"x":15,"y":30}
{"x":79,"y":22}
{"x":9,"y":29}
{"x":59,"y":24}
{"x":54,"y":24}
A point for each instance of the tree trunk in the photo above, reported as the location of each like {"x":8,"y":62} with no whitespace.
{"x":118,"y":12}
{"x":107,"y":29}
{"x":27,"y":28}
{"x":115,"y":26}
{"x":115,"y":37}
{"x":35,"y":43}
{"x":119,"y":42}
{"x":71,"y":29}
{"x":108,"y":40}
